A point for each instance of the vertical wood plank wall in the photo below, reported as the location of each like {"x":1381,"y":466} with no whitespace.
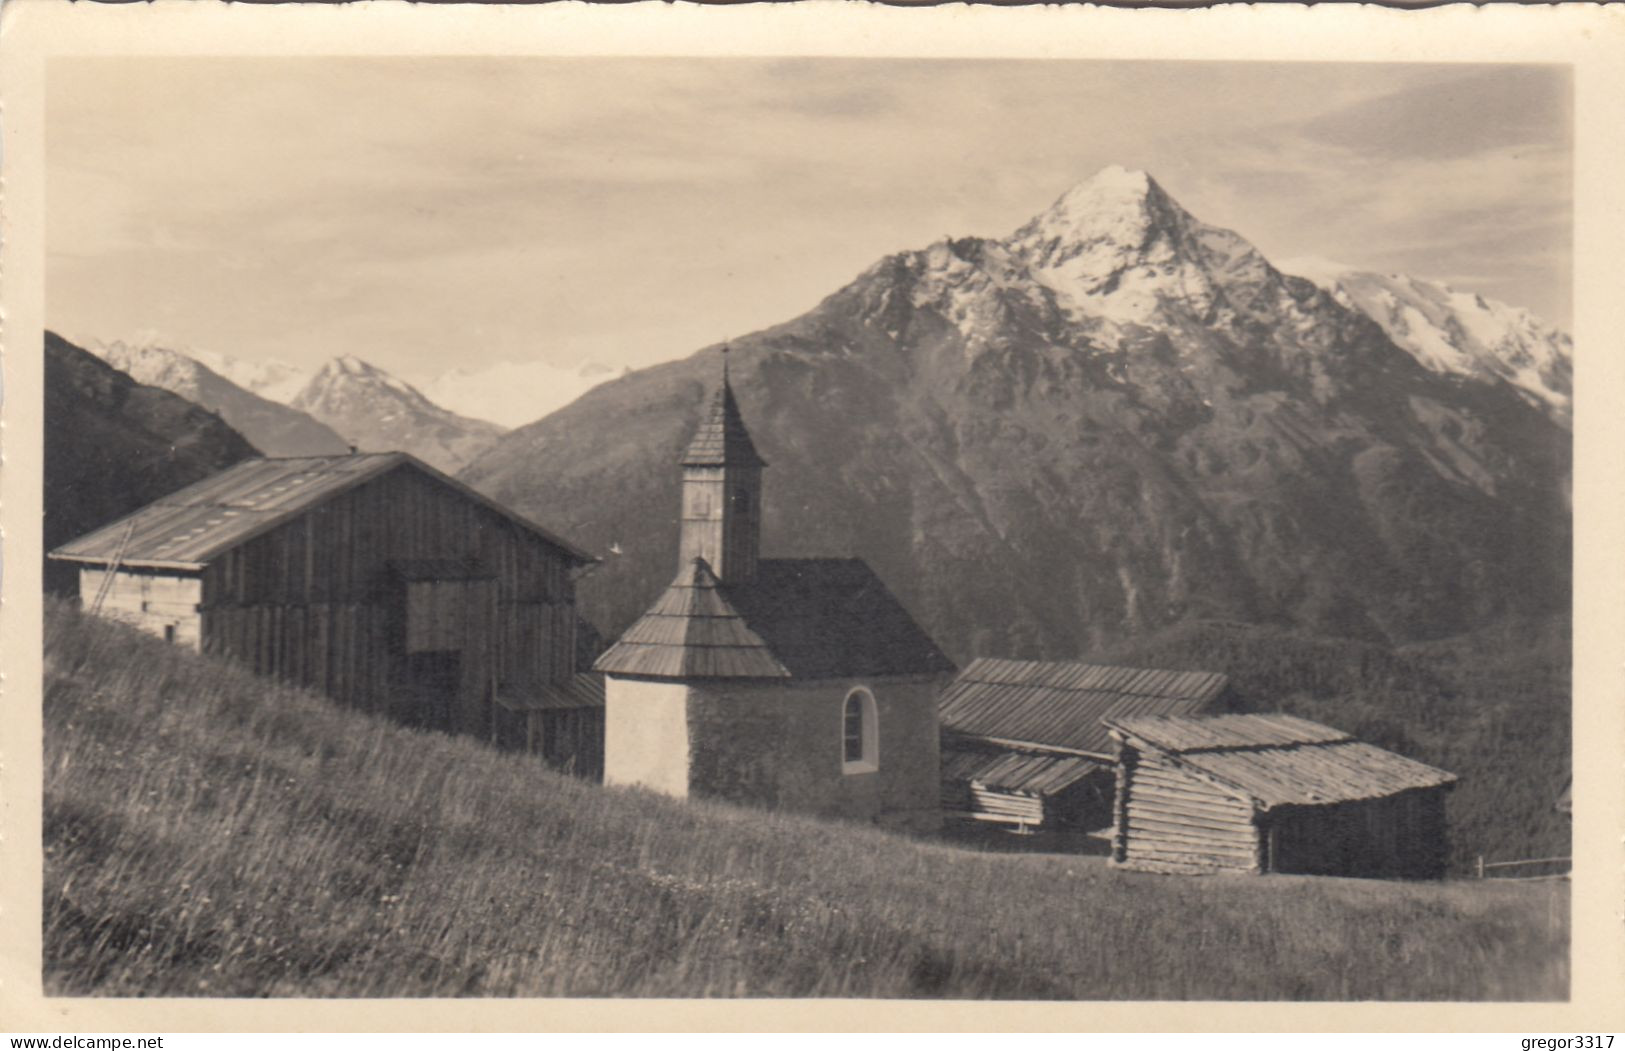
{"x":314,"y":602}
{"x":1402,"y":835}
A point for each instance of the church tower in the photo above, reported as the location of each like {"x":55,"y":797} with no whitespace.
{"x":722,"y":493}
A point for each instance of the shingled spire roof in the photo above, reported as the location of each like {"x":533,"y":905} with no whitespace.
{"x":722,"y":440}
{"x":692,"y":631}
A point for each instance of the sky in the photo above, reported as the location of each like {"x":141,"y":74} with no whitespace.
{"x":429,"y":214}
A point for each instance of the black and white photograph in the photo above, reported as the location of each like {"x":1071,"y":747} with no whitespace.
{"x":807,"y":526}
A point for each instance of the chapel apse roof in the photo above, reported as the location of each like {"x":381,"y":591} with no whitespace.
{"x":192,"y":526}
{"x":691,"y":632}
{"x":801,"y":618}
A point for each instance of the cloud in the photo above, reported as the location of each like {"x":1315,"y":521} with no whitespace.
{"x":642,"y":207}
{"x":1445,"y":119}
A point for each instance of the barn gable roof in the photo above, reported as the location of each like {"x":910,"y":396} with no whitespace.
{"x":191,"y":527}
{"x":1061,"y":704}
{"x":802,"y":618}
{"x":1279,"y":760}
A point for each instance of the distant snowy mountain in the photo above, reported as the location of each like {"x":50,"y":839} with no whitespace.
{"x":274,"y":428}
{"x":378,"y":412}
{"x":113,"y":444}
{"x":514,"y":393}
{"x":1458,"y":333}
{"x":276,"y":380}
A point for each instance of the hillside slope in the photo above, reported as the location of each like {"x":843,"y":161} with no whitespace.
{"x":210,"y":834}
{"x":113,"y":445}
{"x":1115,"y":419}
{"x":274,"y":429}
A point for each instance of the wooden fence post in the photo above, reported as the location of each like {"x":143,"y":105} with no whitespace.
{"x":1480,"y":866}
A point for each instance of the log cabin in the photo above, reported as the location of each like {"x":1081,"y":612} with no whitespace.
{"x":1024,"y":744}
{"x":373,"y":578}
{"x":794,"y":683}
{"x":1272,"y":793}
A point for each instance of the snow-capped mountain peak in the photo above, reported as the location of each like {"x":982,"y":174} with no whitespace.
{"x":377,"y":412}
{"x":1117,"y":247}
{"x":349,"y":369}
{"x":267,"y":377}
{"x":1101,"y":225}
{"x":275,"y":429}
{"x":154,"y":366}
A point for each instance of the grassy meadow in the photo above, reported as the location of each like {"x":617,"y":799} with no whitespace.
{"x":209,"y":834}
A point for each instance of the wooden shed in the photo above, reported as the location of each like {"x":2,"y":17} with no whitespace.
{"x":563,"y":721}
{"x":1024,"y":744}
{"x":373,"y":578}
{"x":1272,"y":793}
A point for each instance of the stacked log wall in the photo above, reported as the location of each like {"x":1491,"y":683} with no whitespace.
{"x":1017,"y":808}
{"x":1170,"y":818}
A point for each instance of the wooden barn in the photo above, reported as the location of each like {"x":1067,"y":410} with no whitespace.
{"x":1024,"y":744}
{"x":1272,"y":793}
{"x":371,"y":577}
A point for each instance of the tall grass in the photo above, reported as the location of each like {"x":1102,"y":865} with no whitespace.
{"x":207,"y":833}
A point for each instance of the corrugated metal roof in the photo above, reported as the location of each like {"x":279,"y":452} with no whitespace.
{"x":1021,"y":772}
{"x":582,"y":690}
{"x":1281,"y":760}
{"x":190,"y":528}
{"x":691,"y":632}
{"x":805,"y":618}
{"x":721,"y":438}
{"x":1060,"y":704}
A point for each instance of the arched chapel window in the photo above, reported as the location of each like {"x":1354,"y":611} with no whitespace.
{"x":860,"y":733}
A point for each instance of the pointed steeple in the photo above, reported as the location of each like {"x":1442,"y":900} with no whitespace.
{"x":722,"y":490}
{"x":721,"y":439}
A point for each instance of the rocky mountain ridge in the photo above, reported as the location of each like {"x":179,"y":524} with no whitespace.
{"x":275,"y":429}
{"x":113,"y":445}
{"x":1459,"y":333}
{"x":376,"y":412}
{"x":1114,"y":419}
